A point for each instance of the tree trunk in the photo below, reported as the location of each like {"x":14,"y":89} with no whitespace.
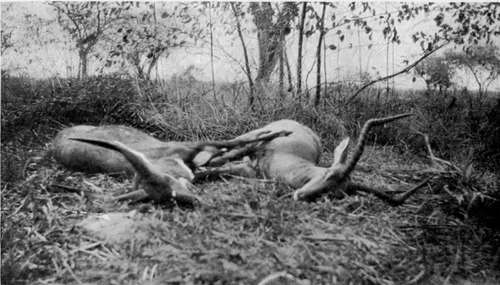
{"x":153,"y":64}
{"x":135,"y":59}
{"x":318,"y":57}
{"x":212,"y":50}
{"x":288,"y":71}
{"x":245,"y":54}
{"x":268,"y":44}
{"x":83,"y":63}
{"x":325,"y":90}
{"x":270,"y":36}
{"x":281,"y":74}
{"x":299,"y":53}
{"x":478,"y":81}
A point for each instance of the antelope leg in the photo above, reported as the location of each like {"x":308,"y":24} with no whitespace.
{"x":390,"y":199}
{"x":238,"y":169}
{"x":263,"y":136}
{"x":135,"y":196}
{"x":233,"y":154}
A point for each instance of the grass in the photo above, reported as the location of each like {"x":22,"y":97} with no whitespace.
{"x":245,"y":233}
{"x":248,"y":231}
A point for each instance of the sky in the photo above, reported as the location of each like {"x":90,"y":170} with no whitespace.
{"x":344,"y":63}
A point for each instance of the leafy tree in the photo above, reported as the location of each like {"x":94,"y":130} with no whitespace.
{"x":436,"y":71}
{"x":87,"y":22}
{"x":149,"y":31}
{"x":482,"y":61}
{"x":464,"y":24}
{"x":467,"y":24}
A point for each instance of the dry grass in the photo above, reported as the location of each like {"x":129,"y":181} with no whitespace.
{"x":245,"y":233}
{"x":248,"y":232}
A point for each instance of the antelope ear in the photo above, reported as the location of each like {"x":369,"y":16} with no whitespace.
{"x":340,"y":153}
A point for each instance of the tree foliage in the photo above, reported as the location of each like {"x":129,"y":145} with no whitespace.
{"x":6,"y":30}
{"x":482,"y":61}
{"x":150,"y":31}
{"x":468,"y":23}
{"x":436,"y":71}
{"x":86,"y":22}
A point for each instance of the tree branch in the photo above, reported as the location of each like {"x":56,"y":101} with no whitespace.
{"x":404,"y":70}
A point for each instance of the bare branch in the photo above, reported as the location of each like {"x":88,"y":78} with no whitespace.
{"x":404,"y":70}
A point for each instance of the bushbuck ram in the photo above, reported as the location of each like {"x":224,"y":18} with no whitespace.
{"x":164,"y":168}
{"x":294,"y":159}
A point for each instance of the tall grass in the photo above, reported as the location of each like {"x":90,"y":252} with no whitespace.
{"x":39,"y":240}
{"x":186,"y":109}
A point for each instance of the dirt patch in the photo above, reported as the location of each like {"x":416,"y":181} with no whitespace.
{"x":116,"y":227}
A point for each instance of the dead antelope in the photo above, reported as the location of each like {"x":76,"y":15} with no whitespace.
{"x":164,"y":168}
{"x":165,"y":180}
{"x":89,"y":158}
{"x":294,"y":160}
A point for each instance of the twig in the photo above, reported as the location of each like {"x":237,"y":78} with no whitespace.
{"x":66,"y":265}
{"x":417,"y":277}
{"x":86,"y":247}
{"x":22,"y":204}
{"x":282,"y":274}
{"x":261,"y":180}
{"x":135,"y":196}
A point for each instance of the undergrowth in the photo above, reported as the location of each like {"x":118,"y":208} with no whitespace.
{"x":445,"y":234}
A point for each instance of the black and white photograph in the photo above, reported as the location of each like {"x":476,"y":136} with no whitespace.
{"x":267,"y":142}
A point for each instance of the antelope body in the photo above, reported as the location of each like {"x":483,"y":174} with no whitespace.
{"x":293,"y":159}
{"x":90,"y":158}
{"x":164,"y":168}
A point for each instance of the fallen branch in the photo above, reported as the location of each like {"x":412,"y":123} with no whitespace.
{"x":427,"y":142}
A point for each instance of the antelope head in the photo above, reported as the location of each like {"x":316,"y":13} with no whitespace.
{"x":158,"y":183}
{"x":337,"y":177}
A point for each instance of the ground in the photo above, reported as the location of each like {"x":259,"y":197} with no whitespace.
{"x":248,"y":231}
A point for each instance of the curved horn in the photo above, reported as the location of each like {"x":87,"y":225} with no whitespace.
{"x":147,"y":171}
{"x":360,"y":145}
{"x":140,"y":163}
